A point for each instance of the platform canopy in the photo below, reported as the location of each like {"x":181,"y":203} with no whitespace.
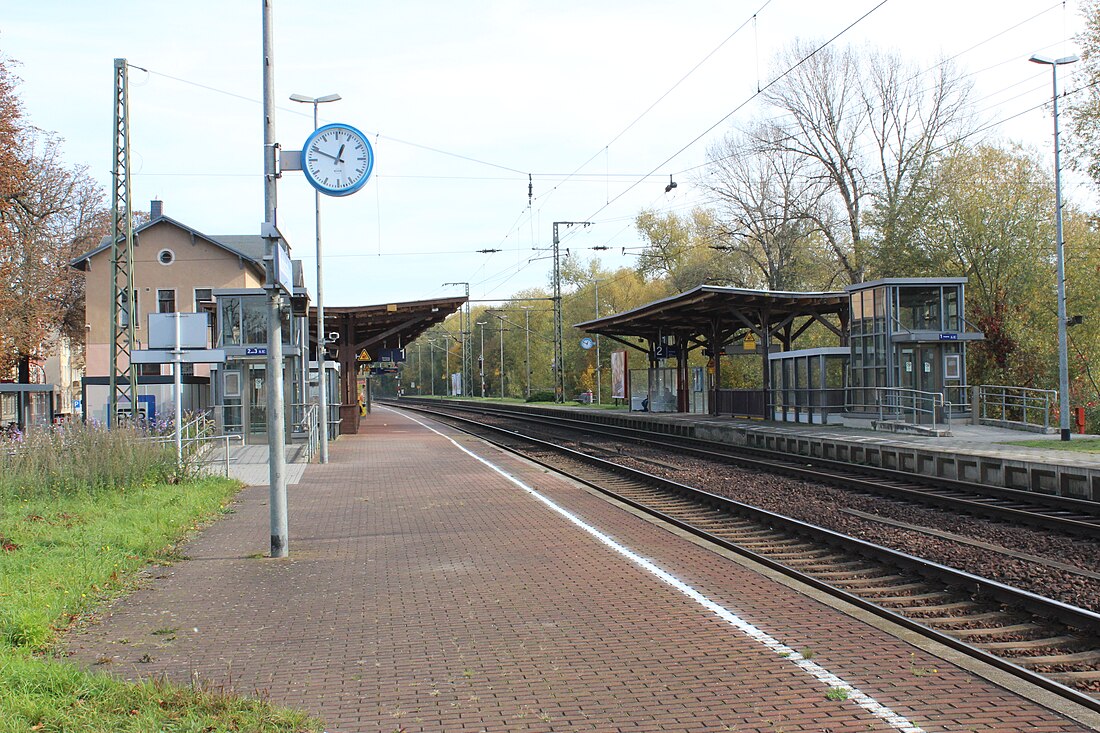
{"x":371,"y":328}
{"x":711,"y":316}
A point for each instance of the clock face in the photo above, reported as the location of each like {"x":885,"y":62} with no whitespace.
{"x":337,"y":159}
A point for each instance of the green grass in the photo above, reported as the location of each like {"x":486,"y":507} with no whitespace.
{"x":1074,"y":445}
{"x":73,"y":537}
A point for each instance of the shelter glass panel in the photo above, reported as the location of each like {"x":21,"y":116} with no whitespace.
{"x":230,"y":321}
{"x":951,"y":309}
{"x":919,"y":308}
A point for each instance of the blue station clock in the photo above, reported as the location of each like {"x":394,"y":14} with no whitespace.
{"x":337,"y":159}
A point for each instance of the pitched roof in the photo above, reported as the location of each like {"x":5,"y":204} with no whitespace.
{"x":248,"y":247}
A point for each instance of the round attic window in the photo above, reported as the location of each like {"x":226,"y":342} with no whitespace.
{"x":166,"y":257}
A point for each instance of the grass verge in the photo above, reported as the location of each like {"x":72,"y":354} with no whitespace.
{"x":1074,"y":445}
{"x":62,"y":553}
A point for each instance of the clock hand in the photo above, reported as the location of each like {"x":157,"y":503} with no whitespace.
{"x":339,"y":153}
{"x":328,"y":155}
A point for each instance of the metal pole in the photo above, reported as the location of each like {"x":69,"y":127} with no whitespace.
{"x":599,"y":385}
{"x":419,"y":370}
{"x":1063,"y":340}
{"x":559,"y":377}
{"x":322,"y":388}
{"x":177,"y":386}
{"x":431,"y":363}
{"x":447,"y":366}
{"x":481,"y":360}
{"x":280,"y":544}
{"x":501,"y":318}
{"x":527,"y":329}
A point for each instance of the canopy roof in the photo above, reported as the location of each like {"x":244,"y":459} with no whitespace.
{"x":386,"y":325}
{"x":712,"y":313}
{"x":373,"y":327}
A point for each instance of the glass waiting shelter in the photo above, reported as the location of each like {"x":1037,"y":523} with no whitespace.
{"x":241,"y":383}
{"x":908,"y":341}
{"x":808,"y":385}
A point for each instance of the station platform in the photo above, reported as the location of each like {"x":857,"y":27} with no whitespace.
{"x":979,"y":453}
{"x":437,"y":584}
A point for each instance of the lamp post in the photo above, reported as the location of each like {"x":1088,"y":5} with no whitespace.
{"x":599,"y":385}
{"x":322,"y":388}
{"x":1063,"y":348}
{"x":419,"y":370}
{"x":527,"y":330}
{"x":481,"y":359}
{"x":501,"y":319}
{"x":431,"y":363}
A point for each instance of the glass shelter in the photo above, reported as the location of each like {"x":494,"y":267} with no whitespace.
{"x":908,"y":341}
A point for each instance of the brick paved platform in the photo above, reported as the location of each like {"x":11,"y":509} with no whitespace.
{"x":427,"y":592}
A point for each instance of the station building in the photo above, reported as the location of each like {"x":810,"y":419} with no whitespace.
{"x":180,"y":269}
{"x":898,"y":351}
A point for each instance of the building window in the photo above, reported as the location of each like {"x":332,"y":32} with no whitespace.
{"x":166,"y":301}
{"x":124,"y":309}
{"x":233,"y":384}
{"x":148,"y":370}
{"x":166,"y":257}
{"x":203,"y":295}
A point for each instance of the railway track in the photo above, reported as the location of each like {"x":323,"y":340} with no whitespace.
{"x":1076,"y":517}
{"x":1048,"y":643}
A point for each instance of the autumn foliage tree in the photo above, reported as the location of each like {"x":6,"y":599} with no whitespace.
{"x":49,"y":213}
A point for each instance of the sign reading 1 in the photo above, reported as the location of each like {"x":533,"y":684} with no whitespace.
{"x":337,"y":159}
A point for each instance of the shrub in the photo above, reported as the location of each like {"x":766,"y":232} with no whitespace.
{"x":542,"y":395}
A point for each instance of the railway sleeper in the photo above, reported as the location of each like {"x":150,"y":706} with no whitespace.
{"x":931,"y":596}
{"x":994,"y":632}
{"x":1049,"y":642}
{"x":871,"y":583}
{"x":944,"y":608}
{"x":947,"y":621}
{"x":1091,"y":656}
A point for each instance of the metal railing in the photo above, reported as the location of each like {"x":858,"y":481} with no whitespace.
{"x":197,"y":454}
{"x":912,"y":406}
{"x":310,"y":426}
{"x":1022,"y":408}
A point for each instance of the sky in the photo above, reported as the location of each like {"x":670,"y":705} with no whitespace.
{"x":598,"y":103}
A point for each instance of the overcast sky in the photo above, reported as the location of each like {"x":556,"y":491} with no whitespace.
{"x":462,"y":101}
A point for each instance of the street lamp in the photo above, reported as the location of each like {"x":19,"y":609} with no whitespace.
{"x":599,"y":385}
{"x":501,"y":319}
{"x":1063,"y":348}
{"x":322,"y":389}
{"x":481,"y":359}
{"x":527,"y":329}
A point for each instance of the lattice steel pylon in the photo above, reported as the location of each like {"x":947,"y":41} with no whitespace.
{"x":123,"y":377}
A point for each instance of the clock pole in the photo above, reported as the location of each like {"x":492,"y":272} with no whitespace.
{"x":280,"y":545}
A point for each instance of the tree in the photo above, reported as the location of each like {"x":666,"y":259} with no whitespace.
{"x":766,"y":212}
{"x":870,"y":126}
{"x":679,"y":250}
{"x":992,"y":221}
{"x":1084,"y":108}
{"x":52,"y":213}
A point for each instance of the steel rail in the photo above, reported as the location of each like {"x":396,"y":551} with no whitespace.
{"x":823,"y":470}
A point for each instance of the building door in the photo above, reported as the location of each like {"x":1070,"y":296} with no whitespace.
{"x":255,"y":407}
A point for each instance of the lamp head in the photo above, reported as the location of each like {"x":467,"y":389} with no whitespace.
{"x":314,"y":100}
{"x":1040,"y":59}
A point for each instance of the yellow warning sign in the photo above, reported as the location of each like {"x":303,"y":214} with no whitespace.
{"x":363,"y":356}
{"x":750,"y":342}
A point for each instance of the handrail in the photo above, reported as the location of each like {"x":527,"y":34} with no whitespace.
{"x":1016,"y":406}
{"x":309,"y":424}
{"x":908,"y":405}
